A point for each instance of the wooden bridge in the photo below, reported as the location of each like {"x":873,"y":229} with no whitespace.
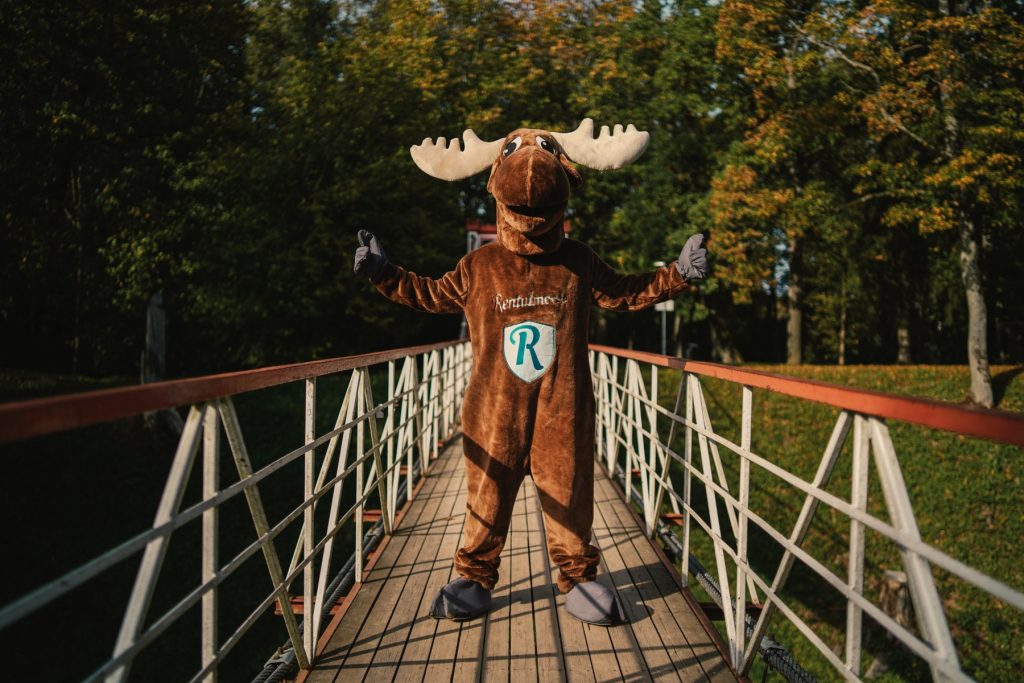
{"x":383,"y":631}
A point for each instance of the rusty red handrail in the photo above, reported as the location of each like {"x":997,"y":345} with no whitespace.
{"x":24,"y":419}
{"x":994,"y":425}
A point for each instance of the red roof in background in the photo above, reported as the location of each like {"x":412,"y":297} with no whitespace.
{"x":476,"y":225}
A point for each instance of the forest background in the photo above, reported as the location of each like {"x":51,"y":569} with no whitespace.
{"x":856,"y":166}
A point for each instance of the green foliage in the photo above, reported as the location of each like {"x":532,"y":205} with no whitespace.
{"x":226,"y":153}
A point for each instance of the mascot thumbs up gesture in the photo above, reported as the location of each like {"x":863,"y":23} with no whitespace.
{"x":529,"y":406}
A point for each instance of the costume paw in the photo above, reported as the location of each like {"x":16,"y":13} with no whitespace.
{"x":460,"y":600}
{"x":594,"y":603}
{"x":693,"y":260}
{"x":370,"y":258}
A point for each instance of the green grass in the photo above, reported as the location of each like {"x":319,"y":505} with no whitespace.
{"x":966,"y":495}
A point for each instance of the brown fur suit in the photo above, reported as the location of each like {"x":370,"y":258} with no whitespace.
{"x":529,"y":407}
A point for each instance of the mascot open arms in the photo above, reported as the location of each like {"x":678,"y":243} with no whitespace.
{"x":529,"y":406}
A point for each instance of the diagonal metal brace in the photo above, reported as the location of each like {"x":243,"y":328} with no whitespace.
{"x":259,"y":518}
{"x":369,"y":405}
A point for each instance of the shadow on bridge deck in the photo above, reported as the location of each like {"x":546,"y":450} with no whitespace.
{"x":383,"y":632}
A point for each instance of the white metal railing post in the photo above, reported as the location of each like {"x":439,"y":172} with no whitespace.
{"x":382,"y":494}
{"x":716,"y":527}
{"x":417,"y":414}
{"x":637,"y":400}
{"x":855,"y":569}
{"x":345,"y":415}
{"x":615,"y":397}
{"x":644,"y":454}
{"x":666,"y":462}
{"x":309,"y":465}
{"x":803,"y":523}
{"x":442,"y":394}
{"x":684,"y":569}
{"x":927,"y":604}
{"x":425,"y":420}
{"x":389,"y":429}
{"x":651,"y":494}
{"x":716,"y":459}
{"x":211,"y":539}
{"x":360,"y":451}
{"x":594,"y":363}
{"x":407,"y":442}
{"x":743,"y":563}
{"x":436,"y":387}
{"x":629,"y":428}
{"x":153,"y":557}
{"x":602,"y":401}
{"x":449,"y":394}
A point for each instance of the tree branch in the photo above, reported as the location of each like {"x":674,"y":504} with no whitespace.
{"x":865,"y":198}
{"x":866,"y":68}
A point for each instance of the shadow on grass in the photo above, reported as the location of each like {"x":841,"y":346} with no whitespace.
{"x":1002,"y":381}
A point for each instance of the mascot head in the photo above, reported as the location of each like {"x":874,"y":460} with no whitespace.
{"x":532,"y":174}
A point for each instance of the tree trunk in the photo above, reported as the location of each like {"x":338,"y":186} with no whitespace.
{"x":723,"y":347}
{"x":903,"y":344}
{"x":794,"y":341}
{"x":600,"y":326}
{"x":970,"y":268}
{"x":677,"y":333}
{"x":842,"y":321}
{"x":154,"y":358}
{"x":977,"y":317}
{"x":794,"y":303}
{"x":73,"y":212}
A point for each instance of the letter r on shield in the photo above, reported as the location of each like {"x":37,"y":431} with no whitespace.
{"x":529,"y":349}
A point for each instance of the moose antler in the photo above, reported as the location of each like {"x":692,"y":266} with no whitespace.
{"x":609,"y":150}
{"x":451,"y":162}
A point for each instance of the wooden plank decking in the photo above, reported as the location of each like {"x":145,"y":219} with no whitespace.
{"x":385,"y":633}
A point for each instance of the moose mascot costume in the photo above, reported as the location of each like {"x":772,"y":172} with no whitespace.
{"x":529,"y":406}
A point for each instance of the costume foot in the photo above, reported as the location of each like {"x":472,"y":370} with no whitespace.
{"x":460,"y":600}
{"x":594,"y":603}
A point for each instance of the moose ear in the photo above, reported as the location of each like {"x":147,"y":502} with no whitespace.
{"x":575,"y":179}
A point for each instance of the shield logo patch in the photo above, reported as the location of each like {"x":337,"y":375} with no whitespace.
{"x":529,"y":349}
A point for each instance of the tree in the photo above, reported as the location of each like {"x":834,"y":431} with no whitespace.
{"x":946,"y":78}
{"x":775,"y":183}
{"x":102,"y":106}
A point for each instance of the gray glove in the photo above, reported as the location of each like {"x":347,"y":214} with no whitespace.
{"x":693,"y":261}
{"x":370,"y":257}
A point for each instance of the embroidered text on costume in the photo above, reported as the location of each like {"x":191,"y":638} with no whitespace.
{"x":503,"y":303}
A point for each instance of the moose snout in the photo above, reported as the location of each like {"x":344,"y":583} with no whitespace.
{"x":531,"y":177}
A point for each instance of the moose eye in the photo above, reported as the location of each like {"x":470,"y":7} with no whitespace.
{"x":545,"y":145}
{"x":512,"y":146}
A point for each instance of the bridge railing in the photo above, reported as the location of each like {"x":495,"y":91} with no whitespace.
{"x":651,"y":449}
{"x":380,"y":445}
